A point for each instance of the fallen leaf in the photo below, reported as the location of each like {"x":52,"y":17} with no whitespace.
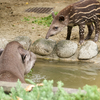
{"x":29,"y":88}
{"x":99,"y":89}
{"x":41,"y":84}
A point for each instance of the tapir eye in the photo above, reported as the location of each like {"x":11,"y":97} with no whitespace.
{"x":55,"y":28}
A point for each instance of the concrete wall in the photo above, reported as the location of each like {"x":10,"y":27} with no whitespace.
{"x":8,"y":85}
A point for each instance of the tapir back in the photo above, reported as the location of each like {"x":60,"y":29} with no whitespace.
{"x":84,"y":12}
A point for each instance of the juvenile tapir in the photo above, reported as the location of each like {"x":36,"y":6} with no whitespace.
{"x":84,"y":12}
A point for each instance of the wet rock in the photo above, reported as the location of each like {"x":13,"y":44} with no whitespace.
{"x":43,"y":47}
{"x":3,"y":43}
{"x":88,"y":50}
{"x":66,"y":48}
{"x":24,"y":40}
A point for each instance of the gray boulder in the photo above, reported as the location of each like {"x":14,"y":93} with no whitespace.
{"x":66,"y":48}
{"x":3,"y":43}
{"x":88,"y":50}
{"x":24,"y":40}
{"x":43,"y":47}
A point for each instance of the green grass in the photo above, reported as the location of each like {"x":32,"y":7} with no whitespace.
{"x":45,"y":21}
{"x":45,"y":92}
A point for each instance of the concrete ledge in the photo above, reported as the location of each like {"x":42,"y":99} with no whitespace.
{"x":8,"y":85}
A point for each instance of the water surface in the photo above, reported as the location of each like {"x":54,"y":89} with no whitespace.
{"x":72,"y":74}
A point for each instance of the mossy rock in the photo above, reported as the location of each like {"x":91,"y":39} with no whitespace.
{"x":3,"y":43}
{"x":66,"y":48}
{"x":43,"y":47}
{"x":88,"y":50}
{"x":24,"y":40}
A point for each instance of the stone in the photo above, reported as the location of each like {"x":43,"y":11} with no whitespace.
{"x":66,"y":48}
{"x":88,"y":50}
{"x":43,"y":47}
{"x":24,"y":40}
{"x":3,"y":43}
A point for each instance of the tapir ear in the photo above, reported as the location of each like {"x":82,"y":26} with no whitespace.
{"x":23,"y":53}
{"x":53,"y":15}
{"x":61,"y":18}
{"x":23,"y":58}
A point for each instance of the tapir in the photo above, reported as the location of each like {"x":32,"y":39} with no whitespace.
{"x":84,"y":12}
{"x":15,"y":62}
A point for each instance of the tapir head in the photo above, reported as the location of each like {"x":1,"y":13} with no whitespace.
{"x":58,"y":23}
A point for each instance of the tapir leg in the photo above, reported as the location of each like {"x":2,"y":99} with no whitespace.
{"x":69,"y":29}
{"x":81,"y":33}
{"x":90,"y":31}
{"x":97,"y":30}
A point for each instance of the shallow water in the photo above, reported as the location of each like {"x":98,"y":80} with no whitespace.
{"x":72,"y":74}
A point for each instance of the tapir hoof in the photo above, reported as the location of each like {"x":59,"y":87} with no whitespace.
{"x":95,"y":39}
{"x":81,"y":42}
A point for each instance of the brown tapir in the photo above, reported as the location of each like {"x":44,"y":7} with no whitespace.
{"x":15,"y":62}
{"x":84,"y":12}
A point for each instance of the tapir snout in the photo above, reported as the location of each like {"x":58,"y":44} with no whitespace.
{"x":58,"y":23}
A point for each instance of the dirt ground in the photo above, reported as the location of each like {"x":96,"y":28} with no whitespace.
{"x":12,"y":13}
